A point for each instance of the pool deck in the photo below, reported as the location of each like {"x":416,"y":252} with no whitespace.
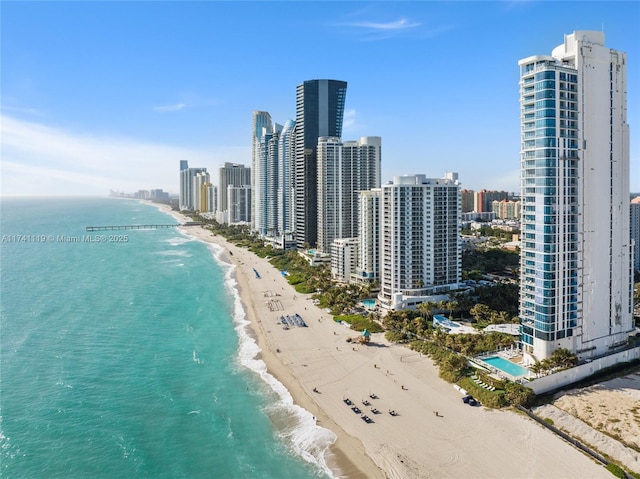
{"x":517,"y":358}
{"x":507,"y":356}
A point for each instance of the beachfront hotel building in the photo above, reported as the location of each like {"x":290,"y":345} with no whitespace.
{"x":265,"y":174}
{"x":198,"y":190}
{"x":273,"y":150}
{"x":285,"y":191}
{"x":421,"y":256}
{"x":208,"y":198}
{"x":184,"y":165}
{"x":261,"y":132}
{"x":319,"y":113}
{"x":575,"y":280}
{"x":187,"y":199}
{"x":368,"y":265}
{"x":231,"y":174}
{"x":344,"y":258}
{"x":344,"y":169}
{"x":239,"y":204}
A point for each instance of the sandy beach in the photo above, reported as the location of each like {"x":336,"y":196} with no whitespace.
{"x":434,"y":434}
{"x":609,"y":407}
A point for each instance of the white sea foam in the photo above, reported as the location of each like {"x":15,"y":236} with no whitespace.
{"x":196,"y":359}
{"x":307,"y":439}
{"x":61,"y":383}
{"x":182,"y":254}
{"x":179,"y":240}
{"x":170,"y":261}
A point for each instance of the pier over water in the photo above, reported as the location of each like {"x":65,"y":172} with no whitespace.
{"x":140,"y":227}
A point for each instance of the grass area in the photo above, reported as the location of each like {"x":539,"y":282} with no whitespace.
{"x":360,"y":323}
{"x":494,"y":399}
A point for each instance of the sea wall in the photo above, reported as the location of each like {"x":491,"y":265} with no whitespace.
{"x":569,"y":376}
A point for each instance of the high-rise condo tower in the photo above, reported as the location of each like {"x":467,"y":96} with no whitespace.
{"x":420,"y":255}
{"x":262,"y":174}
{"x":187,"y":200}
{"x":575,"y":267}
{"x":344,"y":170}
{"x":237,"y":176}
{"x":319,"y":112}
{"x":285,"y":195}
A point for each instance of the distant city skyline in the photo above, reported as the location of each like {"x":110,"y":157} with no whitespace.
{"x":112,"y":95}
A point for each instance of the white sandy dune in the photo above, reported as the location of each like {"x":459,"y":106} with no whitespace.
{"x":611,"y":406}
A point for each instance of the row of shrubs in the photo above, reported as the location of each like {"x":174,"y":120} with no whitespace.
{"x":360,"y":323}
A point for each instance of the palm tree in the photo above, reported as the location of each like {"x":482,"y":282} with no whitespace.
{"x":503,"y":317}
{"x":450,"y":306}
{"x":420,"y":325}
{"x":427,"y":309}
{"x":536,"y":368}
{"x":563,"y":358}
{"x":547,"y":365}
{"x":480,"y":312}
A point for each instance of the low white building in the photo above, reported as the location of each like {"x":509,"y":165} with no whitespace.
{"x":315,"y":257}
{"x":344,"y":258}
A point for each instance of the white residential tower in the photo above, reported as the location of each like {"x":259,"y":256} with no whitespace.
{"x":420,"y":235}
{"x":576,"y":281}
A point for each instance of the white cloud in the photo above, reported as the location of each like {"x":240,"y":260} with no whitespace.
{"x":374,"y":31}
{"x":165,"y":108}
{"x":41,"y":160}
{"x":401,"y":24}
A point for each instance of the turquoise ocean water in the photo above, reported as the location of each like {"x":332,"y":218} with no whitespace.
{"x":131,"y":357}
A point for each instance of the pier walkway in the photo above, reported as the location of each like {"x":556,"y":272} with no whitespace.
{"x":140,"y":227}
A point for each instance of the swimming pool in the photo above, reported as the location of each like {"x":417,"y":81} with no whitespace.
{"x":369,"y":303}
{"x":505,"y":366}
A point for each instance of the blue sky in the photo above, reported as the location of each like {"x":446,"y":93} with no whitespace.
{"x":112,"y":95}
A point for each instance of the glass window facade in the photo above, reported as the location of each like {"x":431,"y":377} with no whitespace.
{"x":548,"y":299}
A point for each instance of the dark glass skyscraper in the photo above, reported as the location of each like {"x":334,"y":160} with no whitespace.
{"x":319,"y":112}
